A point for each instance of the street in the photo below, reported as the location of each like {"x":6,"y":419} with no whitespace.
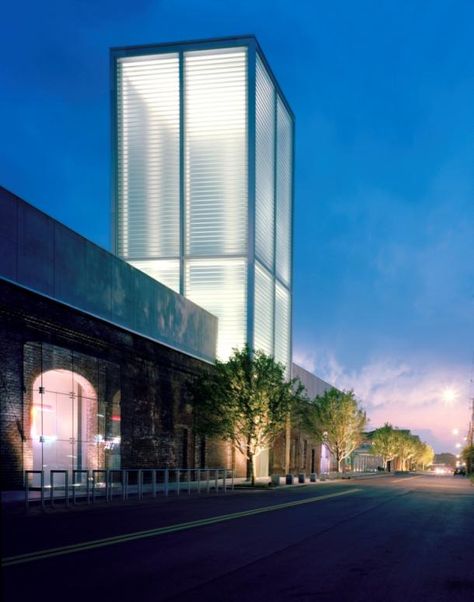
{"x":387,"y":538}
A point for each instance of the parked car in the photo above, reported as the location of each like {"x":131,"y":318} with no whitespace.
{"x":460,"y":470}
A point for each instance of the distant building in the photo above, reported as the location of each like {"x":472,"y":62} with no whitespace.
{"x":297,"y":451}
{"x":362,"y":459}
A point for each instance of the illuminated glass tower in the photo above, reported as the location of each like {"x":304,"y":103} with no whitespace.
{"x":203,"y":182}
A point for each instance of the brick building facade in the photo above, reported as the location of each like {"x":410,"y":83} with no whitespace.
{"x":147,"y":380}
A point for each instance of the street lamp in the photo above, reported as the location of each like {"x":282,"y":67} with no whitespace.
{"x":449,"y":395}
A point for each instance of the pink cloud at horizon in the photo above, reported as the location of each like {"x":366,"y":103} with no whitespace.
{"x":429,"y":399}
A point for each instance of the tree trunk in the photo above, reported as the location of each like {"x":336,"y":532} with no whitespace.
{"x":249,"y":461}
{"x":252,"y":469}
{"x":338,"y":460}
{"x":287,"y":444}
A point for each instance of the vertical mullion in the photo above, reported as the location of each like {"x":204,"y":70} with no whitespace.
{"x":114,"y":137}
{"x":275,"y":158}
{"x":292,"y":213}
{"x":182,"y":224}
{"x":251,"y":141}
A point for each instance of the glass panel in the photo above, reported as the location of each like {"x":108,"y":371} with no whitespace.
{"x":216,"y":151}
{"x":263,"y":312}
{"x":148,"y":156}
{"x":283,"y":192}
{"x":282,"y":325}
{"x":265,"y":163}
{"x":219,"y":285}
{"x":69,"y":426}
{"x":165,"y":271}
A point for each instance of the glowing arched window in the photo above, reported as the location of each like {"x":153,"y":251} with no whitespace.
{"x":74,"y":420}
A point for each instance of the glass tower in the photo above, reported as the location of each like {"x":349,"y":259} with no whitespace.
{"x":203,"y":182}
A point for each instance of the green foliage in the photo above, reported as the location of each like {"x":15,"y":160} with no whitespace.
{"x":407,"y":447}
{"x":391,"y":443}
{"x":384,"y":443}
{"x":246,"y":401}
{"x":337,"y":420}
{"x":425,"y":455}
{"x":468,"y":457}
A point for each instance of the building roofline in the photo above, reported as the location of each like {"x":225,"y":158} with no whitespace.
{"x":183,"y":45}
{"x":164,"y":338}
{"x":199,"y":41}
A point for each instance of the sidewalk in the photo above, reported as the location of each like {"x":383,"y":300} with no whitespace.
{"x":12,"y":499}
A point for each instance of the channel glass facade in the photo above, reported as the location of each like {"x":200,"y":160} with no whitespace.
{"x":203,"y":183}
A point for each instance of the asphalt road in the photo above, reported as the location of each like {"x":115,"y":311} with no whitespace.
{"x":390,"y":539}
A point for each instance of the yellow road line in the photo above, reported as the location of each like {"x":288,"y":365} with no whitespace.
{"x":108,"y":541}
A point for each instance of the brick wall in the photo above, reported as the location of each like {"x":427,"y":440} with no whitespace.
{"x":155,"y":410}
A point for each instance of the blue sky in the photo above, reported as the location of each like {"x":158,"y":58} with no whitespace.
{"x":383,"y":94}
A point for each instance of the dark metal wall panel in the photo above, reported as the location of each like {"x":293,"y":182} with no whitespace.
{"x":41,"y":254}
{"x":314,"y":385}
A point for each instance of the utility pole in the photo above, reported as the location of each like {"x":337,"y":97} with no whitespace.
{"x":470,"y":435}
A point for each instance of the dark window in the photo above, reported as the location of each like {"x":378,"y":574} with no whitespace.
{"x":202,"y":452}
{"x":184,"y":449}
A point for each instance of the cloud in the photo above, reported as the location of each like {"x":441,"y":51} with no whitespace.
{"x":408,"y":392}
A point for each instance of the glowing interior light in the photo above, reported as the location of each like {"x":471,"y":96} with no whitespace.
{"x":219,"y":285}
{"x":148,"y":156}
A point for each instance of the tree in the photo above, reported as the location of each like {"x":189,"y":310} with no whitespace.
{"x":468,"y":457}
{"x":424,"y":456}
{"x":246,"y":401}
{"x":337,"y":420}
{"x":445,"y":458}
{"x":407,"y":446}
{"x":384,"y":444}
{"x":391,"y":443}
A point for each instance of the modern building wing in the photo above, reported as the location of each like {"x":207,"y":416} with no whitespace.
{"x":42,"y":255}
{"x":313,"y":385}
{"x":203,"y":182}
{"x":95,"y":357}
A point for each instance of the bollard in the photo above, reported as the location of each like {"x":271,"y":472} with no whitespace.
{"x":301,"y":477}
{"x":289,"y":479}
{"x":76,"y":484}
{"x":27,"y":488}
{"x":66,"y":487}
{"x":275,"y":480}
{"x":313,"y":477}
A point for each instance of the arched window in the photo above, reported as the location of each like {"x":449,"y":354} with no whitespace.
{"x":72,"y":409}
{"x":64,"y":422}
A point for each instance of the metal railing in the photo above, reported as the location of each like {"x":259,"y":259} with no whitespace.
{"x":89,"y":486}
